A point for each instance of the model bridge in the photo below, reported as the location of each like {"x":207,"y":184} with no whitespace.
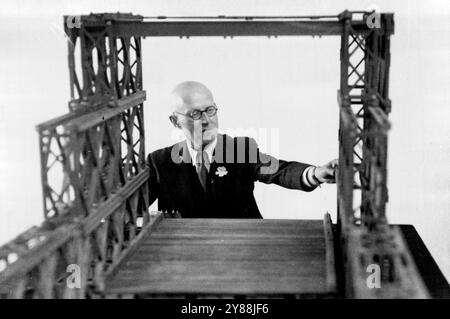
{"x":95,"y":193}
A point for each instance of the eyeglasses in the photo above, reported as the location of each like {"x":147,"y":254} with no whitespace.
{"x":197,"y":114}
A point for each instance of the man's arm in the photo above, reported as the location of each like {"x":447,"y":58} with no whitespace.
{"x":289,"y":174}
{"x":270,"y":170}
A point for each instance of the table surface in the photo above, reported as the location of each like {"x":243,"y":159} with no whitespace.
{"x":432,"y":276}
{"x":228,"y":257}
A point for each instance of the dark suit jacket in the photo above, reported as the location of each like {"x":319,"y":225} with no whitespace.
{"x":174,"y":182}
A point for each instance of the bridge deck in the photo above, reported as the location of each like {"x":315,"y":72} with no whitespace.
{"x":228,"y":257}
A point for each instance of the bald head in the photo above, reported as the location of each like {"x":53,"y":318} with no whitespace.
{"x":186,"y":98}
{"x":190,"y":95}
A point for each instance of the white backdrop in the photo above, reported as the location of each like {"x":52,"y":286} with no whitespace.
{"x":285,"y":85}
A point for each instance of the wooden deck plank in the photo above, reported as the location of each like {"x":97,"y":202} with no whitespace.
{"x":235,"y":240}
{"x":241,"y":223}
{"x":232,"y":268}
{"x":227,"y":256}
{"x":225,"y":252}
{"x":246,"y":227}
{"x":225,"y":286}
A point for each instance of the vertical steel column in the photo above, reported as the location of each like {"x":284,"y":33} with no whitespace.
{"x":367,"y":240}
{"x":346,"y":133}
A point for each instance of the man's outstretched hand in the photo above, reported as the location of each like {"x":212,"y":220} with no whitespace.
{"x":327,"y":173}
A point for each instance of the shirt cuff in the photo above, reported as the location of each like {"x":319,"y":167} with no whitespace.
{"x":308,"y":179}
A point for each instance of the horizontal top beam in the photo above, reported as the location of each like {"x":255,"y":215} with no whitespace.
{"x":229,"y":26}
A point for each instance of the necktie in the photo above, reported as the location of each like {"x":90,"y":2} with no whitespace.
{"x":200,"y":164}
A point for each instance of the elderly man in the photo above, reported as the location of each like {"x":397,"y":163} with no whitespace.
{"x":211,"y":175}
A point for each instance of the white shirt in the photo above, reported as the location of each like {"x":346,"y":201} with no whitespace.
{"x":209,"y":149}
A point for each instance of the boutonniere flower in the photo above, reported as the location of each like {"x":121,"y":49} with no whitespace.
{"x":221,"y":171}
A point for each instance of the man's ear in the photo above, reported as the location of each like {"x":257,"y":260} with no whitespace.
{"x":173,"y":119}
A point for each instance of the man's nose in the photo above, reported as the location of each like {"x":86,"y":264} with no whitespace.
{"x":205,"y":120}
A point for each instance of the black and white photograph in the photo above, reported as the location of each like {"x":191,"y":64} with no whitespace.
{"x":241,"y":151}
